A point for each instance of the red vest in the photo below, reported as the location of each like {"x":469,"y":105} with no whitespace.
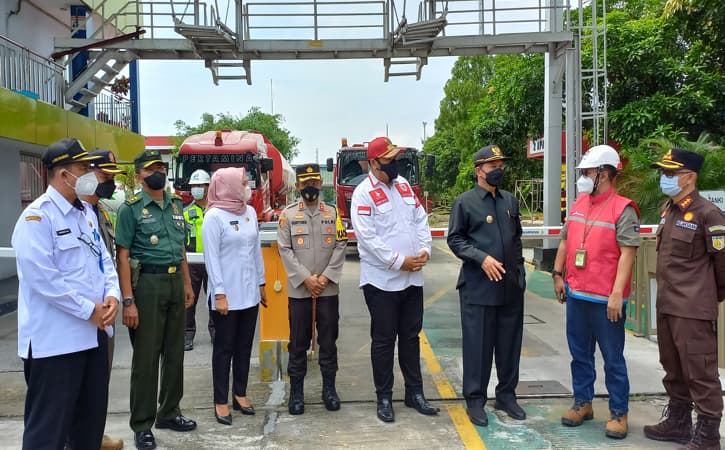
{"x":596,"y":279}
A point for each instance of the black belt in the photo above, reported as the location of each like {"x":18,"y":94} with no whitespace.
{"x":154,"y":268}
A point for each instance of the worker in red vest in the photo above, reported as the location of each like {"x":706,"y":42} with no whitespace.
{"x":593,"y":275}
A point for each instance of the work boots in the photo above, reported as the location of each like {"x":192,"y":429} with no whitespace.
{"x":706,"y":435}
{"x":578,"y":413}
{"x":617,"y":426}
{"x":296,"y":404}
{"x":329,"y":394}
{"x":676,"y":426}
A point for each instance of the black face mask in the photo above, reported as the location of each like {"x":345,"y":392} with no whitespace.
{"x":494,"y":177}
{"x":155,"y":181}
{"x":106,"y":189}
{"x":390,"y":169}
{"x":310,"y":193}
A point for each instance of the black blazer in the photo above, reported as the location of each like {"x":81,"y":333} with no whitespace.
{"x":483,"y":224}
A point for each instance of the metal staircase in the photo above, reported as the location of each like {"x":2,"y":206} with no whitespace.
{"x":98,"y":75}
{"x":414,"y":36}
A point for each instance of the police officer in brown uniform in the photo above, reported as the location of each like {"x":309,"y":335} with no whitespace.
{"x":690,"y":283}
{"x":311,"y":241}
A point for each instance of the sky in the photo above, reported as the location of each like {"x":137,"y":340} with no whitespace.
{"x":320,"y":101}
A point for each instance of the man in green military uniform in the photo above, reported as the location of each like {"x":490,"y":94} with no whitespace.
{"x":155,"y":284}
{"x":194,"y":216}
{"x":311,"y":241}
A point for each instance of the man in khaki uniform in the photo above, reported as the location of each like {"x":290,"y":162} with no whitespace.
{"x":311,"y":241}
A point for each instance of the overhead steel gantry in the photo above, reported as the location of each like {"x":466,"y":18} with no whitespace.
{"x":304,"y":30}
{"x":249,"y":31}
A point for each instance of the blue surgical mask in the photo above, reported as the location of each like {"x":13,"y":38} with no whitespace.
{"x":670,"y":186}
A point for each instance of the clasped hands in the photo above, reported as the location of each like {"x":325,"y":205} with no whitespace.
{"x":316,"y":284}
{"x":104,"y":314}
{"x":415,"y":263}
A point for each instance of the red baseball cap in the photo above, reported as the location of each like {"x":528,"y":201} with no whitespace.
{"x":381,"y":147}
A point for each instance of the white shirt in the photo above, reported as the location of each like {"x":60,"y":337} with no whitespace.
{"x":389,"y":223}
{"x":60,"y":277}
{"x":233,"y":256}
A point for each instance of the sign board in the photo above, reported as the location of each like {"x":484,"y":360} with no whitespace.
{"x":717,"y":197}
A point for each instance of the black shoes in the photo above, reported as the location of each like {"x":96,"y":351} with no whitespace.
{"x":385,"y":410}
{"x":296,"y":404}
{"x":188,"y":343}
{"x":224,"y":420}
{"x":178,"y":423}
{"x":511,"y":408}
{"x":420,"y":404}
{"x":144,"y":440}
{"x":478,"y":416}
{"x":329,"y":393}
{"x":246,"y":410}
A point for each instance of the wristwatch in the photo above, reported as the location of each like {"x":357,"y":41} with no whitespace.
{"x":555,"y":273}
{"x":128,"y":301}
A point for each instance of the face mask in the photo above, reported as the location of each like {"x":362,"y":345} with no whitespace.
{"x":246,"y":193}
{"x":197,"y":192}
{"x":155,"y":181}
{"x":106,"y":189}
{"x":494,"y":177}
{"x":310,"y":193}
{"x":85,"y":184}
{"x":670,"y":186}
{"x":390,"y":169}
{"x":585,"y":185}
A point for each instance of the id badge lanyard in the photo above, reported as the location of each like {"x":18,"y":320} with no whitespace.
{"x":580,"y":256}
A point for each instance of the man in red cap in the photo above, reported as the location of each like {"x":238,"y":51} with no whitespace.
{"x":394,"y":243}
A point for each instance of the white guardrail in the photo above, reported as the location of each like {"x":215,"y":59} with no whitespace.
{"x":269,"y":234}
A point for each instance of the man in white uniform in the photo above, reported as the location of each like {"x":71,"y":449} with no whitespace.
{"x":67,"y":299}
{"x":394,"y":243}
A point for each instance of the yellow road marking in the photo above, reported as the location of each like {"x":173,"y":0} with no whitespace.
{"x":467,"y":432}
{"x":434,"y":298}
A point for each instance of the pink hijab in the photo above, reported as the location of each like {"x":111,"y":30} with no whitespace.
{"x":228,"y":190}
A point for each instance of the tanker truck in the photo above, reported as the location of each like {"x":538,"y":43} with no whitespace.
{"x":271,"y":177}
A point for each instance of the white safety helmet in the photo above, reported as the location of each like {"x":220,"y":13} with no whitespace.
{"x":199,"y":177}
{"x":600,"y":155}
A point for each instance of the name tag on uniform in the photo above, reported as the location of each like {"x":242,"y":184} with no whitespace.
{"x":177,"y":217}
{"x":687,"y":225}
{"x":63,"y":232}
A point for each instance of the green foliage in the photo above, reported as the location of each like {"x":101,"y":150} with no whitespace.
{"x":268,"y":124}
{"x":489,"y":100}
{"x":641,"y":183}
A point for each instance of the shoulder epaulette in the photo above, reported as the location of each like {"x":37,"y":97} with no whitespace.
{"x":133,"y":199}
{"x":290,"y":206}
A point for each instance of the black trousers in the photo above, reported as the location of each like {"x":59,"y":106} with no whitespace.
{"x":67,"y":399}
{"x":489,"y":331}
{"x":199,"y":277}
{"x":232,"y":348}
{"x":394,"y":315}
{"x":300,"y":324}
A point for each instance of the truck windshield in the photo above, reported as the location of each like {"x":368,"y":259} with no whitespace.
{"x":187,"y":164}
{"x":353,"y":167}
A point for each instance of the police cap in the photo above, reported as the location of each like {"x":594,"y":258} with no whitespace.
{"x":147,"y":158}
{"x":106,"y":161}
{"x":306,"y":172}
{"x":487,"y":154}
{"x":677,"y":158}
{"x":65,"y":151}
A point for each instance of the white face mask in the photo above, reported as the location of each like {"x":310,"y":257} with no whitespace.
{"x":85,"y":184}
{"x":247,"y":193}
{"x":584,"y":185}
{"x":197,"y":192}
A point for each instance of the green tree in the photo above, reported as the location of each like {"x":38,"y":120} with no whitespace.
{"x":640,"y":182}
{"x":268,"y":124}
